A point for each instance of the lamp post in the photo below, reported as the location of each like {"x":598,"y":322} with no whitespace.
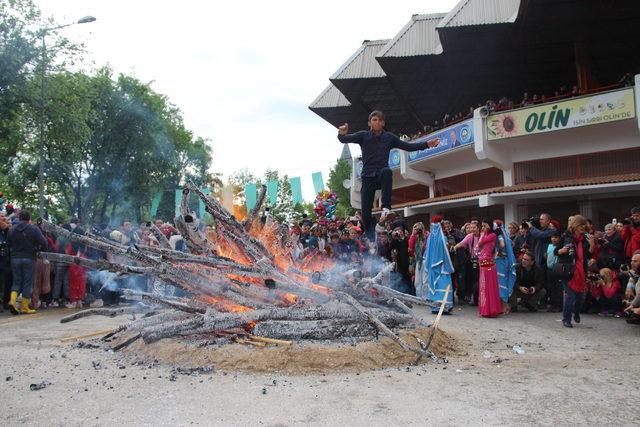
{"x":42,"y":34}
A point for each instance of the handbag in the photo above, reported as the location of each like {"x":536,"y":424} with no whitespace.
{"x":563,"y":270}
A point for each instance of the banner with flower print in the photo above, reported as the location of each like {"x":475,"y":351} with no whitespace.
{"x":572,"y":113}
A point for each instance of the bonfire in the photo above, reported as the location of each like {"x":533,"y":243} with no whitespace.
{"x":244,"y":286}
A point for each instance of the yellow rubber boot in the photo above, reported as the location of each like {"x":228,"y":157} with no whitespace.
{"x":24,"y":309}
{"x":12,"y":302}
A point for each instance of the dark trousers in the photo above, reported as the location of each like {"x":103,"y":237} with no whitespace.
{"x":6,"y":280}
{"x":24,"y":271}
{"x":471,"y":281}
{"x":572,"y":303}
{"x":554,"y":290}
{"x":382,"y":181}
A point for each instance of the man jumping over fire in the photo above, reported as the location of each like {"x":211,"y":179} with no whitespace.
{"x":376,"y":143}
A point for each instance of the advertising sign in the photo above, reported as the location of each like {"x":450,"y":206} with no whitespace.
{"x":572,"y":113}
{"x":453,"y":137}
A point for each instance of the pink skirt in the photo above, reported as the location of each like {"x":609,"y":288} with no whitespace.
{"x":489,"y":303}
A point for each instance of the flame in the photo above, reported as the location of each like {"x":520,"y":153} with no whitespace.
{"x":240,"y":212}
{"x":225,"y":304}
{"x":290,"y":298}
{"x":321,"y":289}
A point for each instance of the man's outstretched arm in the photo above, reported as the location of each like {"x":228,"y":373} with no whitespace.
{"x":408,"y":146}
{"x":349,"y":138}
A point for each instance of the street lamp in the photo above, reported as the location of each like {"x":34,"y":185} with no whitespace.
{"x":43,"y":32}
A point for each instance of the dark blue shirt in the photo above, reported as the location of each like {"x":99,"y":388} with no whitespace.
{"x":376,"y":148}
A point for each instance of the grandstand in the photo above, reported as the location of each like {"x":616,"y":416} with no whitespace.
{"x":534,"y":102}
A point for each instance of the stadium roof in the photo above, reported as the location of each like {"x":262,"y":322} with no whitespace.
{"x":418,"y":37}
{"x":481,"y":12}
{"x":365,"y":85}
{"x":487,"y":49}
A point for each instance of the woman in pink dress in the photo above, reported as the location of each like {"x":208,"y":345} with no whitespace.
{"x":489,"y":294}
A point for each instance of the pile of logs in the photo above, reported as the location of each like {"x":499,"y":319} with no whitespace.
{"x":244,"y":298}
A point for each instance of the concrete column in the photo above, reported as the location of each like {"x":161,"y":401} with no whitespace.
{"x":510,"y":214}
{"x":507,"y":176}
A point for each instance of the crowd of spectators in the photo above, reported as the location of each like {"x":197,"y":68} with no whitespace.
{"x":43,"y":284}
{"x":506,"y":103}
{"x":606,"y":262}
{"x":546,"y":253}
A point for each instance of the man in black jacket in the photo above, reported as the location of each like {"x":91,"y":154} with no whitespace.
{"x":376,"y":143}
{"x":529,"y":286}
{"x":25,"y":240}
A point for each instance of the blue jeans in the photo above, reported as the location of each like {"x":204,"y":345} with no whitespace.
{"x":572,"y":302}
{"x":24,"y":271}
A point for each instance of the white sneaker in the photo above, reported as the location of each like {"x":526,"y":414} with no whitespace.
{"x":54,"y":304}
{"x":70,"y":305}
{"x":386,"y":215}
{"x":96,"y":304}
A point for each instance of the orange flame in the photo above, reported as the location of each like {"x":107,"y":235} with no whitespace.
{"x":225,"y":305}
{"x":290,"y":298}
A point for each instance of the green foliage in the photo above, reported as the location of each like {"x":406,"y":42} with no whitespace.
{"x":111,"y":143}
{"x":339,"y":172}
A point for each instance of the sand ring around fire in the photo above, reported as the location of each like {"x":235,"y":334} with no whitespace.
{"x":298,"y":359}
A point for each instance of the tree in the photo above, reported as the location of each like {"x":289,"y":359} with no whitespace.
{"x":338,"y":173}
{"x":238,"y":180}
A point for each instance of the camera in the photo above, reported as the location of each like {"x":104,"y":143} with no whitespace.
{"x":594,"y":277}
{"x":624,"y":267}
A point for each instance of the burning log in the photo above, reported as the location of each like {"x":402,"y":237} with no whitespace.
{"x":110,"y":312}
{"x":259,"y":290}
{"x":159,"y":235}
{"x":171,"y":303}
{"x":315,"y":329}
{"x":187,"y":224}
{"x":99,"y":264}
{"x":127,"y":342}
{"x":253,"y":214}
{"x":383,"y":328}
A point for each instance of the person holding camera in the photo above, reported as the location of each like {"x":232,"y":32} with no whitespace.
{"x":539,"y":232}
{"x":25,"y":240}
{"x":611,"y":248}
{"x":529,"y":286}
{"x":631,"y":233}
{"x":376,"y":143}
{"x":574,"y":251}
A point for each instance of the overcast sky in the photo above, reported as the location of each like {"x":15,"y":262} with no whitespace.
{"x":243,"y":73}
